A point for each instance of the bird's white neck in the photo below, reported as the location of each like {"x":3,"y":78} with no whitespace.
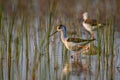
{"x":85,"y":17}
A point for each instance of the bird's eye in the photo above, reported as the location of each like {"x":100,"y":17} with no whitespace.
{"x":59,"y":27}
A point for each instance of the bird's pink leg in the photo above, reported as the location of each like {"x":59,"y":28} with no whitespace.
{"x":84,"y":47}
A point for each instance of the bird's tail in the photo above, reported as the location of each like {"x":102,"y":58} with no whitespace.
{"x":104,"y":24}
{"x":101,"y":25}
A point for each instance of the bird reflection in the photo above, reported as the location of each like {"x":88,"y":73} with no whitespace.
{"x":75,"y":69}
{"x":90,"y":50}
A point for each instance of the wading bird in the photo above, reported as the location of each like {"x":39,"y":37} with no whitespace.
{"x":91,"y":24}
{"x":72,"y":44}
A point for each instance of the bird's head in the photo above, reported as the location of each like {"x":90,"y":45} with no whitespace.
{"x":59,"y":28}
{"x":85,"y":15}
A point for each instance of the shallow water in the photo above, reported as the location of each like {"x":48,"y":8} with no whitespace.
{"x":58,"y":64}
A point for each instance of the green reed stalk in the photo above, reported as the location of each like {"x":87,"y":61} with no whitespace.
{"x":55,"y":61}
{"x":39,"y":60}
{"x":1,"y":63}
{"x":9,"y":44}
{"x":18,"y":41}
{"x":9,"y":55}
{"x":1,"y":11}
{"x":91,"y":48}
{"x":99,"y":53}
{"x":49,"y":29}
{"x":35,"y":67}
{"x":103,"y":53}
{"x":27,"y":54}
{"x":17,"y":57}
{"x":107,"y":50}
{"x":112,"y":51}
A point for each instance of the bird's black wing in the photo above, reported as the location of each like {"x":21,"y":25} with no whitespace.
{"x":92,"y":22}
{"x":78,"y":40}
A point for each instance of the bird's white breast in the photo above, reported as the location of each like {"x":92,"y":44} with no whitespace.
{"x":87,"y":26}
{"x":69,"y":45}
{"x":72,"y":46}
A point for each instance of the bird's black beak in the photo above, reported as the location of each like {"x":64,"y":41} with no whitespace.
{"x":53,"y":33}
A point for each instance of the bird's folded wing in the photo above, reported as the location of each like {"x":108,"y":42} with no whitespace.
{"x":78,"y":40}
{"x":92,"y":22}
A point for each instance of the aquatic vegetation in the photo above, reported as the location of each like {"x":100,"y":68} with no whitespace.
{"x":28,"y":53}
